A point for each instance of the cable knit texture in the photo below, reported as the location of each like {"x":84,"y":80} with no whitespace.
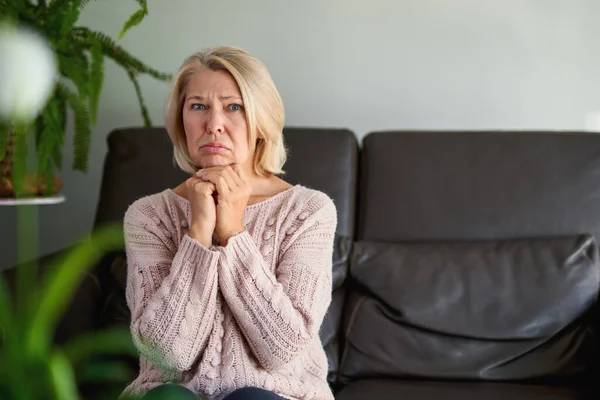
{"x":247,"y":314}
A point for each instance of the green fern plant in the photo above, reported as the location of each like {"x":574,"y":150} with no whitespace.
{"x":80,"y":53}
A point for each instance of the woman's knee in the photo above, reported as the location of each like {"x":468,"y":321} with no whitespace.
{"x":252,"y":393}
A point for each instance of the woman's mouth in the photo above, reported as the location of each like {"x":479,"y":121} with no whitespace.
{"x":214,"y":148}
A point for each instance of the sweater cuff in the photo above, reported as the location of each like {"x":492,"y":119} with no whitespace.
{"x":196,"y":254}
{"x":242,"y":257}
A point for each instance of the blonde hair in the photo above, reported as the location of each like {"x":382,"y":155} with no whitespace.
{"x":262,"y":104}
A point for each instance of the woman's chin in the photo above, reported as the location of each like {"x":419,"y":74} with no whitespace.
{"x":215,"y":161}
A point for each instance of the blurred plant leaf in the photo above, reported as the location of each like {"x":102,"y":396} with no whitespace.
{"x":110,"y":341}
{"x":60,"y":283}
{"x":62,"y":377}
{"x":6,"y":317}
{"x":113,"y":371}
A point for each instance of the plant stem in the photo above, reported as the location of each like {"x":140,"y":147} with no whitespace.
{"x":27,"y":252}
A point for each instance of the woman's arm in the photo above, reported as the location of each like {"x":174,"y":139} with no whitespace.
{"x":171,"y":291}
{"x":280,"y":314}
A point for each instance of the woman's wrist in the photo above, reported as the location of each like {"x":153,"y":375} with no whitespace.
{"x":224,"y":237}
{"x":204,"y":238}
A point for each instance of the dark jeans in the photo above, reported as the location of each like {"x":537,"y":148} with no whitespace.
{"x":172,"y":391}
{"x":252,"y":393}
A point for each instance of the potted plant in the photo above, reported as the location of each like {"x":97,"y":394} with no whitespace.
{"x":80,"y":53}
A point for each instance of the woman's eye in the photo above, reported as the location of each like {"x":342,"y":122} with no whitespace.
{"x":235,"y":107}
{"x":198,"y":107}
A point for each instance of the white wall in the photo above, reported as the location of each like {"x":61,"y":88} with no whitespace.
{"x":364,"y":65}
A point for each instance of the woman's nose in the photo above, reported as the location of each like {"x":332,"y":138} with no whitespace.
{"x":215,"y":124}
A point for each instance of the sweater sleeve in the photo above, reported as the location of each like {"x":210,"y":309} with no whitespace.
{"x":171,"y":291}
{"x":280,"y":314}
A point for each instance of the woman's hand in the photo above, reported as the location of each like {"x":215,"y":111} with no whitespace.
{"x":233,"y":192}
{"x":203,"y":209}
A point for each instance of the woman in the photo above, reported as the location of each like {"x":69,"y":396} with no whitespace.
{"x":229,"y":273}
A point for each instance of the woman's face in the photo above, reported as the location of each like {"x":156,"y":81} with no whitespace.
{"x":214,"y":120}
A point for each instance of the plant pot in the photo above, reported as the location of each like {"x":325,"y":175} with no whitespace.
{"x":32,"y":185}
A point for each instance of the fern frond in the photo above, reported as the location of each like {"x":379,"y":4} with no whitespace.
{"x":49,"y":140}
{"x":138,"y":92}
{"x":143,"y":4}
{"x":124,"y":58}
{"x":57,"y":5}
{"x":134,"y":20}
{"x":21,"y":10}
{"x":83,"y":3}
{"x":83,"y":131}
{"x":75,"y":67}
{"x":96,"y":79}
{"x":61,"y":102}
{"x":60,"y":18}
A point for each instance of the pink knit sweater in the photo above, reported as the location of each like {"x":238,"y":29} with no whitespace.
{"x":247,"y":314}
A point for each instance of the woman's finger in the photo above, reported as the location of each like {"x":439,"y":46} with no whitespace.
{"x":218,"y":179}
{"x":236,"y":175}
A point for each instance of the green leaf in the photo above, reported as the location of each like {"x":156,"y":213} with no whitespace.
{"x":61,"y":282}
{"x":114,"y":340}
{"x":96,"y":79}
{"x":19,"y":168}
{"x":134,"y":20}
{"x":138,"y":92}
{"x":62,"y":377}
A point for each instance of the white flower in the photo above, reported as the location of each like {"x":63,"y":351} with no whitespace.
{"x":27,"y":73}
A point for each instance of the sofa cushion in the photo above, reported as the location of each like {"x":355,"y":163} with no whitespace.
{"x":496,"y":310}
{"x":411,"y":390}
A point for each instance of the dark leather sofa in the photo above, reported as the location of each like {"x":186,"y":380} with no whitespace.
{"x":465,"y":265}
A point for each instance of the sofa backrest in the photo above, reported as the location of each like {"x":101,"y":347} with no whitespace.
{"x":478,"y":185}
{"x":139,"y":162}
{"x":475,"y":256}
